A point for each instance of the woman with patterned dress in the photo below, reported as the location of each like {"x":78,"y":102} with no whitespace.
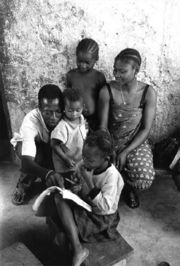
{"x":127,"y":108}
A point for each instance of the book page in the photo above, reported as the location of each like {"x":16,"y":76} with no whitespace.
{"x":66,"y":194}
{"x":176,"y":158}
{"x":39,"y":200}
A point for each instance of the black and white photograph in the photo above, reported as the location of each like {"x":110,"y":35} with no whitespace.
{"x":89,"y":133}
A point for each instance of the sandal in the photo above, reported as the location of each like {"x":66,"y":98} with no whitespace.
{"x":18,"y":197}
{"x":131,"y":198}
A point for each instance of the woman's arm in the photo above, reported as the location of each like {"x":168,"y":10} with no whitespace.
{"x":147,"y":120}
{"x":102,"y":80}
{"x":143,"y":132}
{"x":103,"y":108}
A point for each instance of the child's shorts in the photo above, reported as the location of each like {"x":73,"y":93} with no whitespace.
{"x":96,"y":228}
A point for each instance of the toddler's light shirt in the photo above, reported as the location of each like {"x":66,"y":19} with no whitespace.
{"x":72,"y":136}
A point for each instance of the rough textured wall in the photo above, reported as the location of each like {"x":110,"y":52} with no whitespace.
{"x":41,"y":36}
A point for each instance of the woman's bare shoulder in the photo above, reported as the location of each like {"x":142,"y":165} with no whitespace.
{"x":113,"y":84}
{"x":145,"y":86}
{"x":150,"y":93}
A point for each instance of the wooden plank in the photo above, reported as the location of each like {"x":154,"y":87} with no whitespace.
{"x":102,"y":253}
{"x":18,"y":254}
{"x":121,"y":263}
{"x":108,"y":253}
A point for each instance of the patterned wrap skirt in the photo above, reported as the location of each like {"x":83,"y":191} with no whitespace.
{"x":139,"y":171}
{"x":125,"y":123}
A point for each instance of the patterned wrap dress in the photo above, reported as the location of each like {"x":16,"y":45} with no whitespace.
{"x":124,"y":122}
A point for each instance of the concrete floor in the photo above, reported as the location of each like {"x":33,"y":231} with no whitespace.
{"x":153,"y":230}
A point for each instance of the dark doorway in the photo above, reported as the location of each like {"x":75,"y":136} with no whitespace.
{"x":5,"y":146}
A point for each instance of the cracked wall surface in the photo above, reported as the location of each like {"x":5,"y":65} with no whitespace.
{"x":40,"y":37}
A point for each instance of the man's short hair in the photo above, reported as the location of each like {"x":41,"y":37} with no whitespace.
{"x":51,"y":91}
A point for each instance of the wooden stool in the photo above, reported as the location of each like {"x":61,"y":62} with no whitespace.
{"x":102,"y":253}
{"x":18,"y":254}
{"x":108,"y":253}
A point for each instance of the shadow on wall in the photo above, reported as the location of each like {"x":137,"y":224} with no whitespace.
{"x":5,"y":146}
{"x":165,"y":150}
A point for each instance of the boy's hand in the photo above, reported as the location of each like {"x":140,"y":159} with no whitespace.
{"x":87,"y":176}
{"x":75,"y":178}
{"x":76,"y":188}
{"x":70,"y":163}
{"x":85,"y":172}
{"x":52,"y":189}
{"x":55,"y":179}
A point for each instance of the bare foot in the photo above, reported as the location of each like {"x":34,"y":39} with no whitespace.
{"x":80,"y":256}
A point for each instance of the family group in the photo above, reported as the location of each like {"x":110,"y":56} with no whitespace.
{"x":98,"y":131}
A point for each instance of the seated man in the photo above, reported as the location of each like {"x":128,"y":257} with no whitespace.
{"x":34,"y":149}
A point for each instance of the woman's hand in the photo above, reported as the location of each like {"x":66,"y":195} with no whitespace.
{"x":121,"y":160}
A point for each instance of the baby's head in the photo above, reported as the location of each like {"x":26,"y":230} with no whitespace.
{"x":97,"y":150}
{"x":87,"y":53}
{"x":73,"y":102}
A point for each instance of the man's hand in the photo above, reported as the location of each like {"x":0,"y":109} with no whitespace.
{"x":55,"y":179}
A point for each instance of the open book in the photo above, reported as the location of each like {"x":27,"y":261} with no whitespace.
{"x":66,"y":194}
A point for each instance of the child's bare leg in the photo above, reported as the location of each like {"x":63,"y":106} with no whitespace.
{"x":69,"y":226}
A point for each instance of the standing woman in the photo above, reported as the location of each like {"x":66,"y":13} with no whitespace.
{"x":127,"y":108}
